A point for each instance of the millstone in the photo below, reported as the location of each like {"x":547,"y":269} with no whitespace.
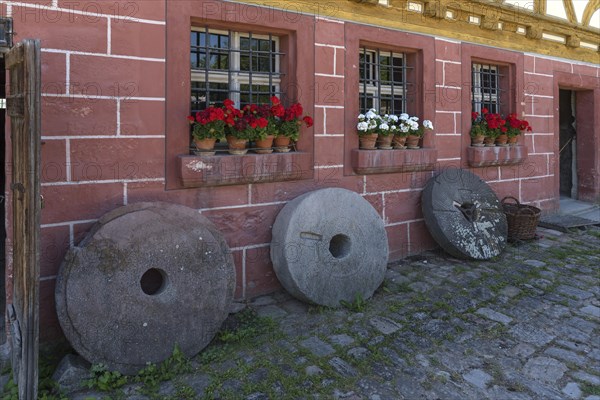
{"x":329,"y":245}
{"x":148,"y":277}
{"x":464,"y":216}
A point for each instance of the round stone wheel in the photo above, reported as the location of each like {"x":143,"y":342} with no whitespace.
{"x":464,"y":216}
{"x":329,"y":245}
{"x":147,"y":278}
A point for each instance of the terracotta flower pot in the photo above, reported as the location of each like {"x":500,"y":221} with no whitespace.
{"x":282,"y":144}
{"x":385,"y":142}
{"x":412,"y":141}
{"x":205,"y":147}
{"x":477,"y":141}
{"x":502,"y":140}
{"x":264,"y":146}
{"x":237,"y":146}
{"x":513,"y":140}
{"x":489,"y":141}
{"x":399,"y":142}
{"x":367,"y":142}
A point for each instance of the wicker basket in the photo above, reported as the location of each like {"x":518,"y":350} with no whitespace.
{"x":522,"y":219}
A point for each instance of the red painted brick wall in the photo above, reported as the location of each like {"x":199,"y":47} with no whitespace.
{"x":103,"y":126}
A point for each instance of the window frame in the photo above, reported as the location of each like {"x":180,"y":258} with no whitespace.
{"x":378,"y":91}
{"x":511,"y":67}
{"x":297,"y":36}
{"x":420,"y":54}
{"x":493,"y":99}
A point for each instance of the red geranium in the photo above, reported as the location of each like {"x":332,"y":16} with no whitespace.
{"x":514,"y":126}
{"x":208,"y":123}
{"x":252,"y":122}
{"x":262,"y":122}
{"x":292,"y":120}
{"x":493,"y":124}
{"x":277,"y":110}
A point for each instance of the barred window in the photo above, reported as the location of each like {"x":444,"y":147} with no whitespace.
{"x":486,"y":89}
{"x":241,"y":66}
{"x":383,"y":81}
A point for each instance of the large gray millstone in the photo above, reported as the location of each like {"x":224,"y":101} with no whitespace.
{"x":329,"y":245}
{"x":481,"y":236}
{"x":113,"y":311}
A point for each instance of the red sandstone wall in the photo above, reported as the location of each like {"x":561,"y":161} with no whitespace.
{"x":103,"y":129}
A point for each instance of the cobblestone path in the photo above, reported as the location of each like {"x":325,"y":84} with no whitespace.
{"x":523,"y":326}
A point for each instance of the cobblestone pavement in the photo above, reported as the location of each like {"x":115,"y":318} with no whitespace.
{"x":523,"y":326}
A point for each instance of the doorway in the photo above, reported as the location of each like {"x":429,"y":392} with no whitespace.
{"x":568,"y":144}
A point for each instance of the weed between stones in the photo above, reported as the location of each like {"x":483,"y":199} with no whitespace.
{"x":357,"y":305}
{"x":590,"y":389}
{"x":49,"y":358}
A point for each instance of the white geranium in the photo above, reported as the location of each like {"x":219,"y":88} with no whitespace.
{"x":388,"y":124}
{"x":410,"y":125}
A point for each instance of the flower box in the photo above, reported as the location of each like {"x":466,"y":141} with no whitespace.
{"x":365,"y":162}
{"x":492,"y":156}
{"x":201,"y":171}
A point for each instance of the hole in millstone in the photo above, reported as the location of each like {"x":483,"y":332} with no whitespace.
{"x":153,"y":281}
{"x":339,"y":246}
{"x":469,"y":210}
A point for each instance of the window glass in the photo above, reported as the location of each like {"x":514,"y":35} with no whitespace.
{"x":486,"y":88}
{"x":238,"y":65}
{"x":382,"y":81}
{"x":213,"y":93}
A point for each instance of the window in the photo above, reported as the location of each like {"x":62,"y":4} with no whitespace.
{"x":383,"y":81}
{"x":242,"y":66}
{"x":486,"y":88}
{"x":210,"y":56}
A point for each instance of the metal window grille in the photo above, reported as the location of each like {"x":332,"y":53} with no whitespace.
{"x":241,"y":66}
{"x":383,"y":81}
{"x":485,"y":88}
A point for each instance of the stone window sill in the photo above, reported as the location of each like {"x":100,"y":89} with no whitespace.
{"x":491,"y":156}
{"x":201,"y":171}
{"x":365,"y":162}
